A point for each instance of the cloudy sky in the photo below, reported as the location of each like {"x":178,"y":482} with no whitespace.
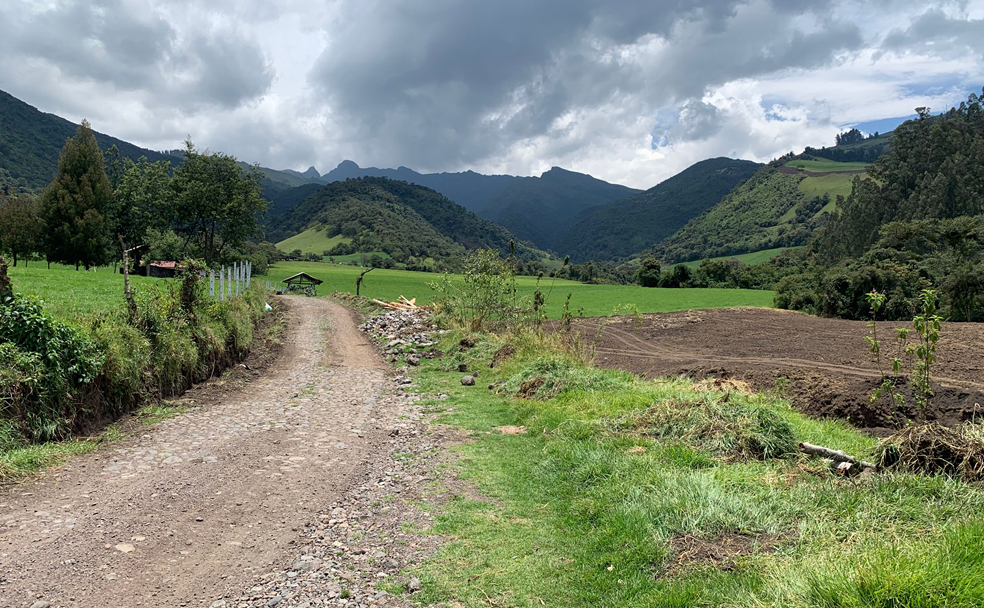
{"x":631,"y":91}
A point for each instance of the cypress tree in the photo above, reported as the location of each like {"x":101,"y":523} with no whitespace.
{"x":75,"y":206}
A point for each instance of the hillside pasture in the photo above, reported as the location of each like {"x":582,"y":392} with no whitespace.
{"x":756,"y":257}
{"x":826,"y":166}
{"x":312,"y":240}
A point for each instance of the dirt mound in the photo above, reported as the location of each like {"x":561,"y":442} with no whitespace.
{"x":822,"y":365}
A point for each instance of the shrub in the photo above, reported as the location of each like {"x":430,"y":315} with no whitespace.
{"x":60,"y":357}
{"x":122,"y":381}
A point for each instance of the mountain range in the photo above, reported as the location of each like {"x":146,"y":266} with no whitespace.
{"x":716,"y":207}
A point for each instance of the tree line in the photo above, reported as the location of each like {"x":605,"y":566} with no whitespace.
{"x":208,"y":207}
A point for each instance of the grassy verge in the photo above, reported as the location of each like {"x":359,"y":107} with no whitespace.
{"x":606,"y":490}
{"x":62,"y":377}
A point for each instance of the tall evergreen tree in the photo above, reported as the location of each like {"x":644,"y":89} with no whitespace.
{"x":75,"y":206}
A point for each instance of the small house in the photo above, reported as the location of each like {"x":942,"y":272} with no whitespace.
{"x":163,"y":270}
{"x":302,"y":282}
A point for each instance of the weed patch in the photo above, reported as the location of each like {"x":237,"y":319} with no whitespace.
{"x":716,"y":424}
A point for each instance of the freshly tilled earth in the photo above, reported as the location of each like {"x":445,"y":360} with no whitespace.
{"x":288,"y":488}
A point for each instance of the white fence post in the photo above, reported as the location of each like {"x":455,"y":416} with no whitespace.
{"x":222,"y":284}
{"x":211,"y":284}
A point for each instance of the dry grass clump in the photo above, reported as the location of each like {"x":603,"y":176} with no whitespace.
{"x":933,"y":449}
{"x":729,"y":428}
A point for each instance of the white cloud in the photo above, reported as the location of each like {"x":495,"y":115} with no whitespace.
{"x":508,"y":86}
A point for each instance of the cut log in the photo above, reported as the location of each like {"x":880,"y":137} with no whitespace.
{"x":835,"y":455}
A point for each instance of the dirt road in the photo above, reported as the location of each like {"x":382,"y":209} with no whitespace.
{"x":823,"y":365}
{"x":199,"y":505}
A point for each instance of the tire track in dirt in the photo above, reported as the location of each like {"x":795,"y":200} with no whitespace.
{"x":825,"y":361}
{"x":199,"y":504}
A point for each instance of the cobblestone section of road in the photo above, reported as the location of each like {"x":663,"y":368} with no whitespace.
{"x":202,"y":503}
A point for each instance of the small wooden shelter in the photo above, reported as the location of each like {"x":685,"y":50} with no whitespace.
{"x":302,"y":282}
{"x":163,"y":269}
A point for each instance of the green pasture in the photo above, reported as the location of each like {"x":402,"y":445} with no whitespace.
{"x":826,"y":166}
{"x":69,"y":294}
{"x":595,"y":300}
{"x":312,"y":240}
{"x":756,"y":257}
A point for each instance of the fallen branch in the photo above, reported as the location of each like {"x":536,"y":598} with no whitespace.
{"x":835,"y":455}
{"x":401,"y":304}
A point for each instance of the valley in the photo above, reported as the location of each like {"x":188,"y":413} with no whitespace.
{"x":750,"y":384}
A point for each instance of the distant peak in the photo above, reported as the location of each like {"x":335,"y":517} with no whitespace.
{"x":311,"y":172}
{"x":347,"y":164}
{"x":559,"y":172}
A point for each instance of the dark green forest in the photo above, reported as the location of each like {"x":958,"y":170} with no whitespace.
{"x":747,"y":219}
{"x":627,"y":226}
{"x":919,"y":223}
{"x":30,"y":142}
{"x":406,"y":221}
{"x":541,"y":209}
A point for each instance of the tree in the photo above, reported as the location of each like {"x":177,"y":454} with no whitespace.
{"x":849,"y":137}
{"x":648,"y":273}
{"x":216,"y":201}
{"x":143,"y":197}
{"x":75,"y":206}
{"x":20,"y":227}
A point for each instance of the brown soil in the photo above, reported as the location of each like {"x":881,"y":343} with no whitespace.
{"x":194,"y":508}
{"x":720,"y":553}
{"x":826,"y":364}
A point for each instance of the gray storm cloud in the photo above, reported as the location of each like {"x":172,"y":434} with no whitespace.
{"x":496,"y":86}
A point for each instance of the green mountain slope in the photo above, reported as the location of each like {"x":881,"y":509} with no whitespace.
{"x":402,"y":220}
{"x":30,"y":141}
{"x":541,"y":209}
{"x":626,"y":226}
{"x":780,"y":206}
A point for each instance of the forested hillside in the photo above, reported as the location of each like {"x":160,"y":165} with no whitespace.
{"x":919,"y":223}
{"x":541,"y":209}
{"x":782,"y":205}
{"x":627,"y":226}
{"x":407,"y":222}
{"x":30,"y":141}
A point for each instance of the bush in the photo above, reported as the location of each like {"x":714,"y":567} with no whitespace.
{"x":53,"y":362}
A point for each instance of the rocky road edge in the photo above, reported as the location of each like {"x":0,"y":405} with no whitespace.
{"x":361,"y":546}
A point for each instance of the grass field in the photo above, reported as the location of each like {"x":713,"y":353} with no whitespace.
{"x":756,"y":257}
{"x":311,"y":241}
{"x":825,"y":166}
{"x":68,"y":293}
{"x":596,"y":300}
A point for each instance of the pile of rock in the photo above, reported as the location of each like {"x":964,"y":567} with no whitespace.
{"x":406,"y":333}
